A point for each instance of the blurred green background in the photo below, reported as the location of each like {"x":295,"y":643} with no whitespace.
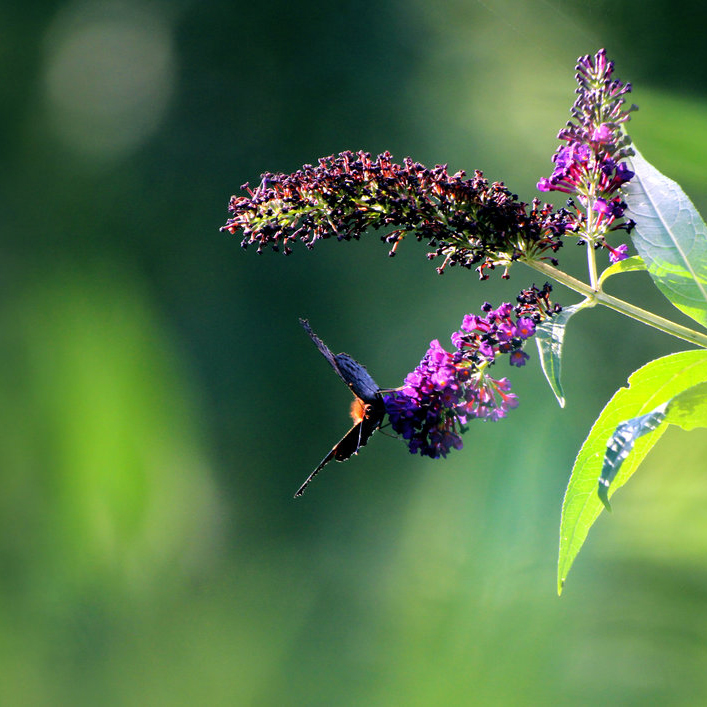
{"x":159,"y":403}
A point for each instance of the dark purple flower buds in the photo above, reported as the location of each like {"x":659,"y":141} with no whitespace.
{"x":469,"y":222}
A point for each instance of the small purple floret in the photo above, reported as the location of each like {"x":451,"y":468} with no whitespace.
{"x":618,"y":254}
{"x":601,"y":206}
{"x":623,"y":173}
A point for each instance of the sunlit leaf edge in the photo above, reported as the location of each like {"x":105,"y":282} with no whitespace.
{"x":687,"y":410}
{"x":661,"y":379}
{"x":681,"y":278}
{"x":549,"y":337}
{"x":621,"y":444}
{"x":632,"y":264}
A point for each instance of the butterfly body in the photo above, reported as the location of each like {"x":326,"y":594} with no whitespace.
{"x":367,"y":409}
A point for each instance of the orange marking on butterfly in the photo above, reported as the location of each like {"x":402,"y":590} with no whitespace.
{"x":357,"y":410}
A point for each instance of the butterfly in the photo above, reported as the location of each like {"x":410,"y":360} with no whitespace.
{"x":367,"y":408}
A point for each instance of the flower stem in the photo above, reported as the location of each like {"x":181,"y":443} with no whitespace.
{"x":598,"y":297}
{"x":592,"y":264}
{"x":589,"y":230}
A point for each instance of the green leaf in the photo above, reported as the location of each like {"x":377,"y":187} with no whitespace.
{"x":650,"y":386}
{"x":635,"y":262}
{"x":550,"y":336}
{"x":621,"y":444}
{"x":689,"y":409}
{"x":670,"y":236}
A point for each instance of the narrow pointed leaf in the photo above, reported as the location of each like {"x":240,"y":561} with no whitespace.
{"x":621,"y":444}
{"x":652,"y":385}
{"x":550,"y":336}
{"x":635,"y":262}
{"x":687,"y":410}
{"x":670,"y":236}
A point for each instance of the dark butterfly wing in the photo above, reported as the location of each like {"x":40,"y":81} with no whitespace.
{"x":352,"y":441}
{"x":356,"y":377}
{"x":360,"y":433}
{"x":326,"y":352}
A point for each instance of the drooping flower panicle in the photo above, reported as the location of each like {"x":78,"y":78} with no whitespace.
{"x":469,"y":222}
{"x":589,"y":166}
{"x":447,"y":389}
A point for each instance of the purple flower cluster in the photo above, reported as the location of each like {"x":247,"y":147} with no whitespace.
{"x":469,"y":222}
{"x":447,"y":389}
{"x":589,"y":166}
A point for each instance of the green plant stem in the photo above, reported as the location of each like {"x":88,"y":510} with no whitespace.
{"x":596,"y":296}
{"x":592,"y":264}
{"x":589,"y":231}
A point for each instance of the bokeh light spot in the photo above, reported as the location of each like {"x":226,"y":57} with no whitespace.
{"x":109,"y":76}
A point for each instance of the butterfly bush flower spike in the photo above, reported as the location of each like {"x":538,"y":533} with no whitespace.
{"x":467,"y":222}
{"x":447,"y":389}
{"x":589,"y":166}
